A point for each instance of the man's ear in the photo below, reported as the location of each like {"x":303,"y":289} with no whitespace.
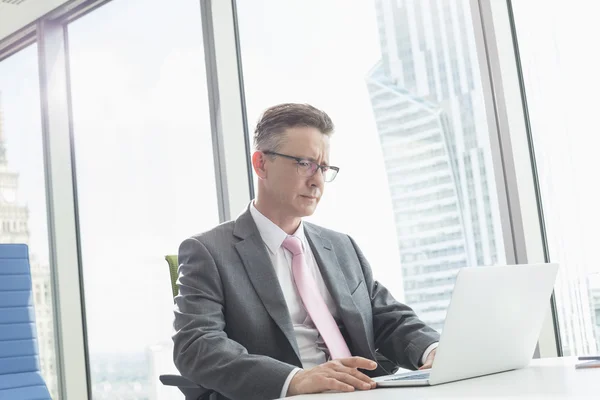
{"x":258,"y":163}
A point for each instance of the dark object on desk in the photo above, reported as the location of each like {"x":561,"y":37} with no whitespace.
{"x":588,"y":358}
{"x":588,"y":364}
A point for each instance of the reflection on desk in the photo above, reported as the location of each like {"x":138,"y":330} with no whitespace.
{"x":554,"y":378}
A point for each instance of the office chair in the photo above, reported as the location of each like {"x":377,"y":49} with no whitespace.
{"x":20,"y":376}
{"x":173,"y":267}
{"x":191,"y":390}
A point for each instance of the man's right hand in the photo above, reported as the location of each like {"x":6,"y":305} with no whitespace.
{"x":339,"y":375}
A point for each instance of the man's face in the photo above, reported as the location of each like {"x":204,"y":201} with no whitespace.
{"x":296,"y":195}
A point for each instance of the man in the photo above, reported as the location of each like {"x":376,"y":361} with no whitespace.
{"x":270,"y":306}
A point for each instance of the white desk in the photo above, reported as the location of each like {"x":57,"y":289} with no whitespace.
{"x":549,"y":378}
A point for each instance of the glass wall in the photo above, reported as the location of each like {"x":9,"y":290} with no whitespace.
{"x":22,"y":191}
{"x":145,"y":180}
{"x":560,"y":71}
{"x":400,"y":80}
{"x":416,"y":188}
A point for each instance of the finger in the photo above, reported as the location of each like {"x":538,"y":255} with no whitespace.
{"x":351,"y":380}
{"x":427,"y":365}
{"x":354,"y":372}
{"x":358,"y":362}
{"x":334,"y":384}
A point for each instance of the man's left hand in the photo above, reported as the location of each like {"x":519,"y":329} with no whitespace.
{"x":429,"y":360}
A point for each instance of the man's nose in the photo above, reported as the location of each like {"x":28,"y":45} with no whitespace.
{"x":318,"y":179}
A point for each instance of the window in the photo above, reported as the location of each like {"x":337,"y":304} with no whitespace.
{"x":417,"y":120}
{"x":22,"y":190}
{"x":560,"y":71}
{"x":145,"y":180}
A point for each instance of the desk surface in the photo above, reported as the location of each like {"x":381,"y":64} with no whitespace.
{"x":554,"y":378}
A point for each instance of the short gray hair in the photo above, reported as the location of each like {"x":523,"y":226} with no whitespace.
{"x":275,"y":120}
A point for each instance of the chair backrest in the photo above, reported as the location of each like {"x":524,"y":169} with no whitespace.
{"x":190,"y":390}
{"x":19,"y":364}
{"x":173,"y":266}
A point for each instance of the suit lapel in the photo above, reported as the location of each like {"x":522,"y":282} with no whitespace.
{"x":260,"y":270}
{"x":338,"y":288}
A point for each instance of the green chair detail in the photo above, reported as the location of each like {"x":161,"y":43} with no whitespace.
{"x":191,"y":390}
{"x":173,"y":266}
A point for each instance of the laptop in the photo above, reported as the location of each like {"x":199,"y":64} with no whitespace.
{"x":492,"y":325}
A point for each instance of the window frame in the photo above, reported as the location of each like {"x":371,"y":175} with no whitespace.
{"x":509,"y":136}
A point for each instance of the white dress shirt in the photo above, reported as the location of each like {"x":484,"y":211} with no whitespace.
{"x":312,"y":349}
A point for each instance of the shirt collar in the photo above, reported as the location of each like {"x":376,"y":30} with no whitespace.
{"x":271,"y":234}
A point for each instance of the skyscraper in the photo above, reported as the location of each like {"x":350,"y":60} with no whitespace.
{"x":430,"y":116}
{"x":594,"y":290}
{"x":14,"y":217}
{"x":160,"y":357}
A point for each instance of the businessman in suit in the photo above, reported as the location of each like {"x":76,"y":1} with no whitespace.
{"x":270,"y":306}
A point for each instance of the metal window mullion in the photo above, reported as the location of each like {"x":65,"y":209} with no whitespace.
{"x":69,"y":321}
{"x":509,"y":137}
{"x":551,"y":340}
{"x":228,"y":123}
{"x":499,"y":144}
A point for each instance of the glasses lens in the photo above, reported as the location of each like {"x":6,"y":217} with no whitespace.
{"x":330,"y":175}
{"x":307,"y":168}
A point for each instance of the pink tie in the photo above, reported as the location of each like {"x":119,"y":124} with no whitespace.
{"x":314,"y":303}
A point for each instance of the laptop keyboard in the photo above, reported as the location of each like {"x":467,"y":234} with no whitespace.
{"x":424,"y":375}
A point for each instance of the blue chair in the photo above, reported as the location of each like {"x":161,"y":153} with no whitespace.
{"x":20,"y":377}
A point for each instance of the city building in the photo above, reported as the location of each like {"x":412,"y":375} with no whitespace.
{"x":160,"y":356}
{"x":120,"y":376}
{"x":426,"y":98}
{"x":428,"y":108}
{"x":594,"y":283}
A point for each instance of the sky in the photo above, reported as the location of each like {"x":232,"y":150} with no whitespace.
{"x":21,"y":119}
{"x":144,"y":162}
{"x":560,"y":66}
{"x":143,"y":148}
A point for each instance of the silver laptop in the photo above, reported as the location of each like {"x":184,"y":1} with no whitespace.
{"x":493,"y":324}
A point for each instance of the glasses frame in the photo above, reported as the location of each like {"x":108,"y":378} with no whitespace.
{"x":323,"y":168}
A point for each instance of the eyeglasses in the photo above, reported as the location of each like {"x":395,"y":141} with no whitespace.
{"x":308,"y":168}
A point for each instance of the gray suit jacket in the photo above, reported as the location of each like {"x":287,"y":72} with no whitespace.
{"x":233,"y":331}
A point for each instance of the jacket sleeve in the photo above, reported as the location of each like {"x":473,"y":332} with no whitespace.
{"x":399,"y":334}
{"x":202,"y":351}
